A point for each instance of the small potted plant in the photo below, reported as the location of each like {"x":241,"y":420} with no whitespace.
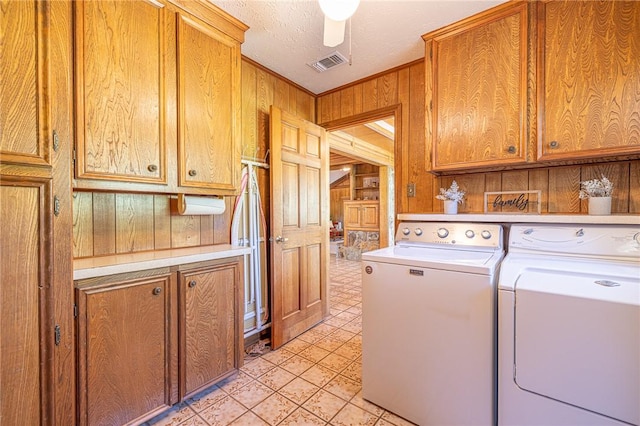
{"x":598,"y":192}
{"x":451,"y":197}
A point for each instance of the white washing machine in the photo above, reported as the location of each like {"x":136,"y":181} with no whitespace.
{"x":569,"y":326}
{"x":428,"y":323}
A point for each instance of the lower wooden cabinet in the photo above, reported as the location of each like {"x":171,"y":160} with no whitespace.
{"x":210,"y":336}
{"x":126,"y":348}
{"x":149,"y":339}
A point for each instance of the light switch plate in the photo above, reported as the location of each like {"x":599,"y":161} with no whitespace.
{"x":411,"y":190}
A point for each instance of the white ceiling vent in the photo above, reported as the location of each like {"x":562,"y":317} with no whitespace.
{"x":333,"y":59}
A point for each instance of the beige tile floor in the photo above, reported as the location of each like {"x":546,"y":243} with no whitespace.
{"x":313,"y":380}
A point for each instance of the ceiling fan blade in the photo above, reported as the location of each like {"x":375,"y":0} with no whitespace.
{"x":333,"y":32}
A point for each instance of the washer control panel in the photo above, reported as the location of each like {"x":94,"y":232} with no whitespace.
{"x":451,"y":233}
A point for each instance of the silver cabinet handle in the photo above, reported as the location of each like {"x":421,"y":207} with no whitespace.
{"x":192,"y":172}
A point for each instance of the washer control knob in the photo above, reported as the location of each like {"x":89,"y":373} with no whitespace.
{"x":469,"y":233}
{"x":442,"y":232}
{"x":486,"y":234}
{"x":418,"y":231}
{"x":406,"y":231}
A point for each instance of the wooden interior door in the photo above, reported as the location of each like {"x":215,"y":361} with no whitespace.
{"x":299,"y":225}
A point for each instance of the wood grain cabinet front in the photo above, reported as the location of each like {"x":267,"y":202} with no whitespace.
{"x":210,"y":319}
{"x":126,"y":348}
{"x":588,"y":79}
{"x":157,"y":96}
{"x":476,"y":90}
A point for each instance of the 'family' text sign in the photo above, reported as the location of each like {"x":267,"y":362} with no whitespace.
{"x":513,"y":202}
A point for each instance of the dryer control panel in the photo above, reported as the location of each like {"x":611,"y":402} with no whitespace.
{"x":622,"y":241}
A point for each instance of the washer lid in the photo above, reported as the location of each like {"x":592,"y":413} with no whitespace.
{"x":445,"y":258}
{"x":577,"y":340}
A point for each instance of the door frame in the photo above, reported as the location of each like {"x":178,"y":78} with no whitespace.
{"x":384,"y":160}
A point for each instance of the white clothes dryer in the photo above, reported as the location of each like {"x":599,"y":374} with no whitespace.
{"x":569,"y":326}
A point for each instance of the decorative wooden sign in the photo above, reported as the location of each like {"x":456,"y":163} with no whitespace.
{"x":513,"y":202}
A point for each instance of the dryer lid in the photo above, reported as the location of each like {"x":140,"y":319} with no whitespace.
{"x":577,"y":340}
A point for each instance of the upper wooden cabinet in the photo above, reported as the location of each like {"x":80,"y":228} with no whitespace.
{"x":120,"y":52}
{"x":157,"y":96}
{"x":25,"y":83}
{"x":588,"y":79}
{"x":476,"y":90}
{"x":209,"y":98}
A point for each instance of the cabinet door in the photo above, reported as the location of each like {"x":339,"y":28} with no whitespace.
{"x":209,"y":326}
{"x":124,"y":350}
{"x":120,"y":94}
{"x":27,"y":336}
{"x":588,"y":79}
{"x":24,"y":83}
{"x":477,"y":71}
{"x":370,"y":216}
{"x":208,"y":111}
{"x":351,"y":215}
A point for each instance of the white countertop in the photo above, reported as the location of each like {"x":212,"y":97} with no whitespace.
{"x":117,"y":264}
{"x":614,"y":219}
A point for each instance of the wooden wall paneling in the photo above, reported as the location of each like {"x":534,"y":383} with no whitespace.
{"x":281,"y":95}
{"x":323,"y":109}
{"x":413,"y":143}
{"x":358,"y":99}
{"x":134,"y":230}
{"x":185,"y":231}
{"x":634,"y":187}
{"x":564,"y":186}
{"x":336,"y":102}
{"x":388,"y":90}
{"x":474,"y":185}
{"x":104,"y":223}
{"x":401,"y":152}
{"x":305,"y":106}
{"x":206,"y":229}
{"x":249,"y":111}
{"x":162,"y":222}
{"x":369,"y":95}
{"x":618,"y":173}
{"x":82,"y":224}
{"x":539,"y":180}
{"x":222,"y":223}
{"x":347,"y":101}
{"x":492,"y":182}
{"x":265,"y":98}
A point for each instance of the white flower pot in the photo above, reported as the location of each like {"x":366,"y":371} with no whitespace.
{"x":450,"y":207}
{"x":599,"y":205}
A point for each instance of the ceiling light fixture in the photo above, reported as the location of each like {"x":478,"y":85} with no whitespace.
{"x":336,"y":13}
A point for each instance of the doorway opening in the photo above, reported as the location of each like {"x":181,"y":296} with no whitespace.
{"x":362,"y":191}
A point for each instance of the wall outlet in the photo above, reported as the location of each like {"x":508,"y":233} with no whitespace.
{"x":411,"y":190}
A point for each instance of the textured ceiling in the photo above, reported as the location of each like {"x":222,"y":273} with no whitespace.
{"x":285,"y":35}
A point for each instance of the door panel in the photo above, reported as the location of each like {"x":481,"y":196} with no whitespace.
{"x":24,"y":82}
{"x":299,"y":225}
{"x":291,"y":282}
{"x":119,"y":88}
{"x":207,"y":90}
{"x":24,"y":314}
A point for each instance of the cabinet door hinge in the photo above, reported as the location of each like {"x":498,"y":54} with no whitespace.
{"x":431,"y":105}
{"x":75,"y":310}
{"x":56,"y":205}
{"x":56,"y":335}
{"x":73,"y":157}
